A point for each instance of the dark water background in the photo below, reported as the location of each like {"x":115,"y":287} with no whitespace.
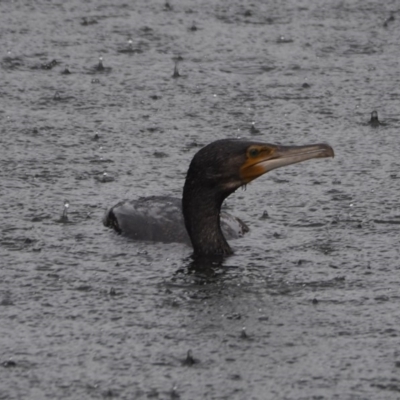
{"x":315,"y":287}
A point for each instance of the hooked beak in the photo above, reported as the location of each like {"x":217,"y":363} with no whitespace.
{"x":270,"y":157}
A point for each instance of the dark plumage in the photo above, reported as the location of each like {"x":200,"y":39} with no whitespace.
{"x":215,"y":172}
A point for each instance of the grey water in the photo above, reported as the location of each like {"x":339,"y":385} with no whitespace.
{"x":309,"y":305}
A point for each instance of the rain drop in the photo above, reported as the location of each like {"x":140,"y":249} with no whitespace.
{"x":189,"y":361}
{"x":176,"y":73}
{"x":243,"y":334}
{"x":253,"y":129}
{"x":193,"y":28}
{"x":174,"y":393}
{"x":64,"y":216}
{"x":100,"y":66}
{"x":168,"y":6}
{"x":374,"y":121}
{"x":104,"y":178}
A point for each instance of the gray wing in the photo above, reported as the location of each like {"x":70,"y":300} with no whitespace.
{"x":160,"y":219}
{"x":157,"y":219}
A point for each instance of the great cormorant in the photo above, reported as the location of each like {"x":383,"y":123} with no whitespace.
{"x":215,"y":172}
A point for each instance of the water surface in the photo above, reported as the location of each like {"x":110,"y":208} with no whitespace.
{"x":308,"y":307}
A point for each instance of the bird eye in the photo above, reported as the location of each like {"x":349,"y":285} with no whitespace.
{"x":254,"y":153}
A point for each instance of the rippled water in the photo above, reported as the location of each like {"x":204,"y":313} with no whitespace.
{"x":309,"y":305}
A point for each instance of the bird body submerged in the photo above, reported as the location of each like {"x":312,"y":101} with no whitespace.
{"x":215,"y":172}
{"x":160,"y":219}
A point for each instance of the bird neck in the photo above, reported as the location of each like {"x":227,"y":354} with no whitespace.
{"x":201,"y":208}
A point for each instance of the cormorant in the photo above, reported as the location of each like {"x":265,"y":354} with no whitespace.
{"x":215,"y":172}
